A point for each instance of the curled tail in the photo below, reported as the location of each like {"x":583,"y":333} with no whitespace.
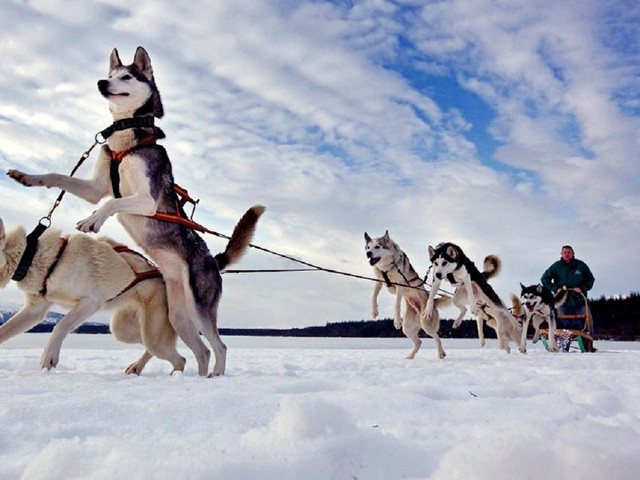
{"x":240,"y":238}
{"x":516,"y":306}
{"x":492,"y":265}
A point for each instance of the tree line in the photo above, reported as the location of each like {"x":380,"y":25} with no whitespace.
{"x":615,"y":318}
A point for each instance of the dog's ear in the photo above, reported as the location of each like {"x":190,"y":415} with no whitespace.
{"x":143,"y":62}
{"x":367,"y":238}
{"x":432,"y":252}
{"x":386,"y":235}
{"x":114,"y":60}
{"x":539,"y":288}
{"x":521,"y":286}
{"x":452,"y":252}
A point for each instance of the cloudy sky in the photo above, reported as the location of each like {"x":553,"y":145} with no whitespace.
{"x":508,"y":127}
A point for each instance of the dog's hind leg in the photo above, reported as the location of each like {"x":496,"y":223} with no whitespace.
{"x":411,"y":330}
{"x":76,"y":316}
{"x":210,"y":331}
{"x":136,"y":367}
{"x":182,"y":324}
{"x":430,"y":325}
{"x":28,"y":316}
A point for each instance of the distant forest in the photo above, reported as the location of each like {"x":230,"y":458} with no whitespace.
{"x":614,"y":319}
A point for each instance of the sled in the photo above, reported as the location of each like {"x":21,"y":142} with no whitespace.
{"x":564,"y":336}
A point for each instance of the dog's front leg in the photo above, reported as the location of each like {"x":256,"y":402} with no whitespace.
{"x":523,"y":337}
{"x":72,"y":320}
{"x":471,"y":299}
{"x":374,"y":299}
{"x":92,"y":190}
{"x":27,"y":317}
{"x":428,"y":311}
{"x":553,"y":345}
{"x":141,"y":204}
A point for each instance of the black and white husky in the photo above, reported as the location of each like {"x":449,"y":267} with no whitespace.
{"x":537,"y":305}
{"x":136,"y":172}
{"x":392,"y":267}
{"x":450,"y":263}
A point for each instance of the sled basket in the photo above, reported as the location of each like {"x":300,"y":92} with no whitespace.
{"x":564,"y":336}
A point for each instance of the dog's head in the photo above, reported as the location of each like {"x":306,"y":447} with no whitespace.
{"x":445,"y":259}
{"x":131,"y":89}
{"x":531,"y":296}
{"x":380,"y":251}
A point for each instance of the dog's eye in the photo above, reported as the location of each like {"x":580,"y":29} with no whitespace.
{"x":126,"y":77}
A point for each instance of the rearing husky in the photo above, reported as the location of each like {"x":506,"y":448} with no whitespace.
{"x":137,"y":172}
{"x":450,"y":262}
{"x":391,"y":265}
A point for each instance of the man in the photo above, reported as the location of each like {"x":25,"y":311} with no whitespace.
{"x":575,"y":276}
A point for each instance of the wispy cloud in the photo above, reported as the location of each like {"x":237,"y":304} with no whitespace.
{"x":508,"y":128}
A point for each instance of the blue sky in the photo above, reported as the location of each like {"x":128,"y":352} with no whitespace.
{"x":507,"y":127}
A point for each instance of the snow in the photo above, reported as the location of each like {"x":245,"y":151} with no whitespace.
{"x":321,"y":409}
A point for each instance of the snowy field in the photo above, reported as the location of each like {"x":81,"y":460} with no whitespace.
{"x":321,"y":409}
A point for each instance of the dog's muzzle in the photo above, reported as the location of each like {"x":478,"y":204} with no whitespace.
{"x":372,"y":260}
{"x":438,"y":275}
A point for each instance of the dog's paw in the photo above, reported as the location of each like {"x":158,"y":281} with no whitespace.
{"x":397,"y":322}
{"x":374,"y":312}
{"x":457,"y":323}
{"x":48,"y":361}
{"x":24,"y":179}
{"x":91,"y":224}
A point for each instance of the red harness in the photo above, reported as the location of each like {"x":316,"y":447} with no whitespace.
{"x":139,"y":276}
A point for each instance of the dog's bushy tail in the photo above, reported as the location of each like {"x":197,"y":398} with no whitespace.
{"x":492,"y":266}
{"x":516,"y":306}
{"x":240,"y":238}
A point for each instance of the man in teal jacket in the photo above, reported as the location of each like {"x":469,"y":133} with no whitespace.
{"x":574,"y":275}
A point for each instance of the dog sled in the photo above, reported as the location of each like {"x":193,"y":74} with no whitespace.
{"x":565,"y":336}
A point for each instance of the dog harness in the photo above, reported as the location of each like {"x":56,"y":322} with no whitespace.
{"x":52,"y":267}
{"x":139,"y":276}
{"x":116,"y":159}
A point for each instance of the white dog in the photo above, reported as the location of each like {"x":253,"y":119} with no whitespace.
{"x":87,"y":275}
{"x":392,"y":266}
{"x":450,"y":263}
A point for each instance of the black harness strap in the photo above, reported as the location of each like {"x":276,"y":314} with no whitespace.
{"x":53,"y":266}
{"x":29,"y":252}
{"x":125,"y":124}
{"x":115,"y":177}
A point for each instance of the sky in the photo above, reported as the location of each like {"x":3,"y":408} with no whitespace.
{"x":321,"y":409}
{"x":508,"y":128}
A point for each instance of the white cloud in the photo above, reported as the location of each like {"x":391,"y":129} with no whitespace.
{"x":307,"y":107}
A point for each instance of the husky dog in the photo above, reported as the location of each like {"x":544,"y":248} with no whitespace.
{"x":137,"y":173}
{"x":87,"y":275}
{"x":391,"y":265}
{"x":539,"y":306}
{"x":471,"y":288}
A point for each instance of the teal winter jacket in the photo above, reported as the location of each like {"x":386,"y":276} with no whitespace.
{"x":576,"y":273}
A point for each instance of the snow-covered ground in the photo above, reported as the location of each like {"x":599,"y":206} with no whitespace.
{"x":321,"y":409}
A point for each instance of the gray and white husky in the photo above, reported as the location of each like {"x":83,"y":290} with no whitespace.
{"x":392,"y":266}
{"x":136,"y":171}
{"x":450,"y":263}
{"x":537,"y":305}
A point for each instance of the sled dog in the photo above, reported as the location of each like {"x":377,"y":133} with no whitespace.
{"x":450,"y":263}
{"x":537,"y":305}
{"x":86,"y":275}
{"x":392,"y":266}
{"x":136,"y":172}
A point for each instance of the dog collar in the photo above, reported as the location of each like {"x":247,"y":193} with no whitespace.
{"x":125,"y":124}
